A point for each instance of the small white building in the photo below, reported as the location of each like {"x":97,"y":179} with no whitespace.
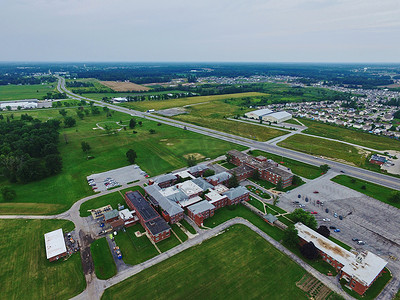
{"x":55,"y":245}
{"x":16,"y":105}
{"x":119,"y":99}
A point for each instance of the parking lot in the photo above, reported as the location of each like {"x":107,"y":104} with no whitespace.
{"x":106,"y":180}
{"x":363,"y":217}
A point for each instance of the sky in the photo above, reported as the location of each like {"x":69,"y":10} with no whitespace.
{"x":200,"y":31}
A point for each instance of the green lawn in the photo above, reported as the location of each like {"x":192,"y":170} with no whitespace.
{"x":228,"y":165}
{"x":256,"y":203}
{"x":25,"y":271}
{"x":258,"y":192}
{"x":373,"y":190}
{"x":21,"y":92}
{"x":168,"y":243}
{"x":187,"y":226}
{"x":104,"y":264}
{"x":179,"y":232}
{"x":135,"y":250}
{"x":238,"y":264}
{"x":157,"y":153}
{"x":298,"y":168}
{"x":330,"y":149}
{"x":113,"y":199}
{"x":351,"y":135}
{"x":100,"y":96}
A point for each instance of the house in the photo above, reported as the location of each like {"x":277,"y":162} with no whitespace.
{"x":156,"y":227}
{"x":220,"y":178}
{"x":200,"y":211}
{"x":258,"y":114}
{"x":236,"y":195}
{"x":360,"y":270}
{"x":378,"y":160}
{"x":55,"y":245}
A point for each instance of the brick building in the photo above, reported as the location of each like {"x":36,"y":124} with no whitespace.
{"x":220,"y":178}
{"x":216,"y":199}
{"x":198,"y":170}
{"x":267,"y":168}
{"x":164,"y":180}
{"x":237,"y":195}
{"x":360,"y":270}
{"x":200,"y":211}
{"x":378,"y":160}
{"x":157,"y":228}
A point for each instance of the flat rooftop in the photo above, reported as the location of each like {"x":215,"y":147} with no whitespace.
{"x":189,"y":188}
{"x":142,"y":206}
{"x":55,"y":243}
{"x":214,"y":196}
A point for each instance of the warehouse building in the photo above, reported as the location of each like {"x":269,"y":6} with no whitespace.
{"x":277,"y":117}
{"x":360,"y":270}
{"x":55,"y":245}
{"x":258,"y":114}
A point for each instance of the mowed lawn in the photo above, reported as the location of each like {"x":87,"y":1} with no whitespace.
{"x":352,"y":136}
{"x":163,"y":104}
{"x":157,"y":153}
{"x":21,"y":92}
{"x":25,"y":271}
{"x":104,"y":264}
{"x":213,"y":115}
{"x":237,"y":264}
{"x":330,"y":149}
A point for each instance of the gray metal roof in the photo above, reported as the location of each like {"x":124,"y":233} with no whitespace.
{"x":164,"y":178}
{"x":200,"y":207}
{"x":220,"y":177}
{"x":236,"y":192}
{"x":111,"y":214}
{"x":197,"y":168}
{"x":270,"y":218}
{"x":170,"y":206}
{"x":261,"y":112}
{"x":202,"y":183}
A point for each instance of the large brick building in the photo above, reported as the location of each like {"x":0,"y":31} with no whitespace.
{"x":360,"y":270}
{"x":267,"y":168}
{"x":157,"y":228}
{"x":200,"y":211}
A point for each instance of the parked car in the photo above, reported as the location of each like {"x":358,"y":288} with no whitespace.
{"x":332,"y":227}
{"x":335,"y":215}
{"x":361,"y":242}
{"x":313,"y":212}
{"x":337,"y":230}
{"x":341,"y":171}
{"x":355,"y":239}
{"x":326,"y":219}
{"x":315,"y":192}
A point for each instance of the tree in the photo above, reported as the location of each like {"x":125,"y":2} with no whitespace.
{"x":140,"y":123}
{"x":108,"y":129}
{"x":62,"y":112}
{"x":396,"y":115}
{"x":80,"y":114}
{"x":309,"y":251}
{"x":324,"y":168}
{"x":395,"y":197}
{"x":132,"y":123}
{"x":305,"y":217}
{"x":279,"y":185}
{"x":233,"y":181}
{"x":152,"y":131}
{"x":228,"y":158}
{"x":69,"y":122}
{"x":191,"y":161}
{"x":290,"y":236}
{"x":256,"y":175}
{"x":8,"y":194}
{"x":85,"y":147}
{"x":324,"y":231}
{"x":296,"y":180}
{"x":53,"y":163}
{"x":275,"y":200}
{"x":131,"y":155}
{"x":208,"y":172}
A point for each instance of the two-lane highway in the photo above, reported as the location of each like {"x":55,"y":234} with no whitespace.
{"x":374,"y":177}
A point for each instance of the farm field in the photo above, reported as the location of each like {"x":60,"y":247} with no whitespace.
{"x":157,"y":153}
{"x":100,"y":96}
{"x":122,"y":86}
{"x":104,"y":264}
{"x":96,"y":87}
{"x":351,"y":136}
{"x":213,"y":115}
{"x":25,"y":271}
{"x":297,"y":167}
{"x":225,"y":269}
{"x":21,"y":92}
{"x":373,"y":190}
{"x":163,"y":104}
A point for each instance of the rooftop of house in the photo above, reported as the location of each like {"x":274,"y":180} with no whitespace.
{"x":364,"y":267}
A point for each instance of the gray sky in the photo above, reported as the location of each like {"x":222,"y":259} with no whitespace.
{"x":205,"y":30}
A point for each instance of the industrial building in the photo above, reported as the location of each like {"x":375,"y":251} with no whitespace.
{"x":360,"y":270}
{"x":55,"y":245}
{"x":268,"y":115}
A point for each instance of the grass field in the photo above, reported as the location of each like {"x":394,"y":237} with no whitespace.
{"x":298,"y":168}
{"x":163,"y":104}
{"x":168,"y":243}
{"x":21,"y":92}
{"x":135,"y":250}
{"x":258,"y":192}
{"x":100,"y":96}
{"x":183,"y":237}
{"x":351,"y":136}
{"x":187,"y":226}
{"x":113,"y":199}
{"x":122,"y":86}
{"x":235,"y":265}
{"x":257,"y":204}
{"x":25,"y":271}
{"x":96,"y":88}
{"x":157,"y":153}
{"x":330,"y":149}
{"x":104,"y":264}
{"x":373,"y":190}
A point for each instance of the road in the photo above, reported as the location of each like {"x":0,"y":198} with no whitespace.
{"x":381,"y":179}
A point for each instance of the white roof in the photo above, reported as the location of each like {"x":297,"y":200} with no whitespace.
{"x":220,"y":188}
{"x":55,"y":243}
{"x":125,"y":214}
{"x":214,"y":196}
{"x":184,"y":174}
{"x":189,"y":187}
{"x":190,"y":201}
{"x":280,"y":115}
{"x":260,"y":112}
{"x":363,"y":267}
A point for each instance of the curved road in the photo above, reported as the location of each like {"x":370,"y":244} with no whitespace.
{"x":381,"y":179}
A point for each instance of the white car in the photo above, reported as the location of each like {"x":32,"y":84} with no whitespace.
{"x":326,"y":220}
